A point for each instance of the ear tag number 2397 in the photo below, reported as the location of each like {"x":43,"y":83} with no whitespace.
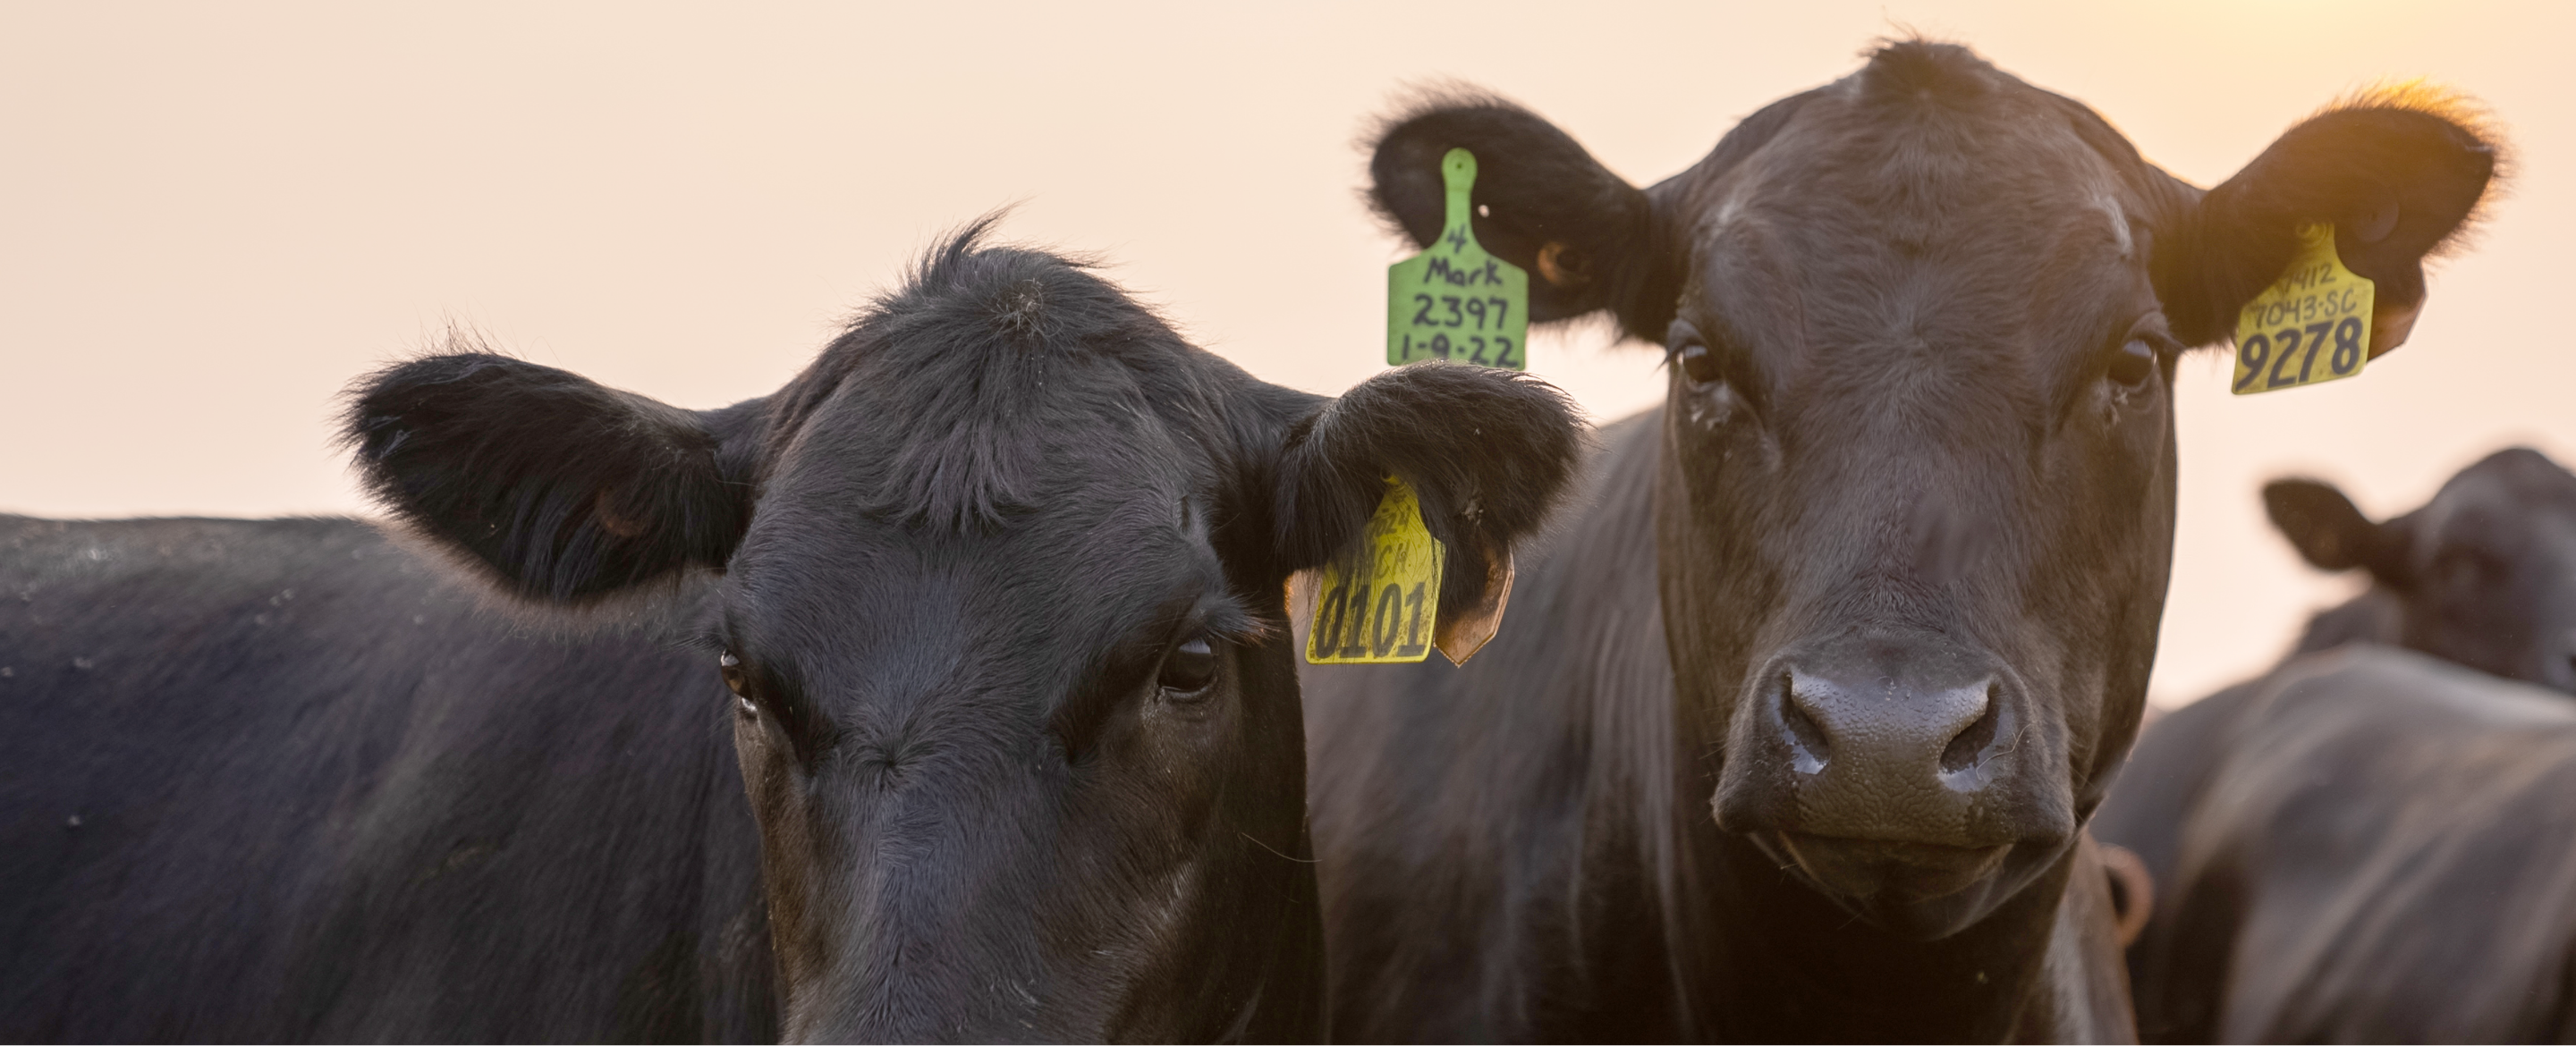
{"x":1455,"y":301}
{"x":2310,"y":327}
{"x":1378,"y":602}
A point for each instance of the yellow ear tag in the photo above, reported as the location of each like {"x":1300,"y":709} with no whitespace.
{"x":1376,"y":602}
{"x":2310,"y":327}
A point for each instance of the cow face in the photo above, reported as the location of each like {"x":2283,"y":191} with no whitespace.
{"x":1915,"y":504}
{"x":2484,"y":574}
{"x":1001,"y":620}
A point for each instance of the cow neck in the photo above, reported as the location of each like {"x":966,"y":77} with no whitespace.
{"x":1790,"y":965}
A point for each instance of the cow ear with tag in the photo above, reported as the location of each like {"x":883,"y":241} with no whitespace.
{"x":1483,"y":453}
{"x":1542,"y":203}
{"x":2394,"y":174}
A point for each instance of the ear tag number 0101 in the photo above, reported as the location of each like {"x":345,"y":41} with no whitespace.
{"x":1378,"y":602}
{"x":1455,"y":301}
{"x":2310,"y":327}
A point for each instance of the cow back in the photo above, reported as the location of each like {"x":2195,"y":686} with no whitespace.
{"x":283,"y":780}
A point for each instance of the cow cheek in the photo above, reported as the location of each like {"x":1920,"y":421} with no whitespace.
{"x":771,"y":783}
{"x":2108,"y":580}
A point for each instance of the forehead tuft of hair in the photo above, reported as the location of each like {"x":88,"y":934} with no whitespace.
{"x":1917,"y":69}
{"x":975,"y":379}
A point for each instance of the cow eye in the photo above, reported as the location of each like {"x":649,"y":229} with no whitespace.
{"x":1688,"y":349}
{"x":1188,"y":668}
{"x":1699,"y":364}
{"x":731,"y":667}
{"x":2133,"y":363}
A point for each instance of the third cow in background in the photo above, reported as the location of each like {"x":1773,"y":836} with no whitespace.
{"x":2484,"y":574}
{"x":2371,"y":844}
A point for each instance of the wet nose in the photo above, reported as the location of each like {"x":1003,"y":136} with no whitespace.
{"x":1887,"y":724}
{"x":1896,"y":764}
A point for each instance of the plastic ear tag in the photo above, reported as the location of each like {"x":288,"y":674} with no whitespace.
{"x":1454,"y":301}
{"x":1375,"y":603}
{"x":2310,"y":327}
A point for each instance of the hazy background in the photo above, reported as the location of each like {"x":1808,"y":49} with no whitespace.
{"x":213,"y":216}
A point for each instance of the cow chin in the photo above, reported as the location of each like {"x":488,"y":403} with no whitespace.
{"x":1905,"y":875}
{"x":1923,"y":891}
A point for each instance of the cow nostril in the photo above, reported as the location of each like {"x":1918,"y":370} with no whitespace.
{"x":1965,"y":750}
{"x":1812,"y":749}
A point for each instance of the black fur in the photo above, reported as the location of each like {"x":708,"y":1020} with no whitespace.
{"x":950,"y":567}
{"x":282,"y":780}
{"x":2364,"y":845}
{"x":1897,"y":452}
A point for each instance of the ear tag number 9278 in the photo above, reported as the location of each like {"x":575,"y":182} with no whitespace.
{"x":1378,"y":602}
{"x":1455,"y":301}
{"x":2310,"y":327}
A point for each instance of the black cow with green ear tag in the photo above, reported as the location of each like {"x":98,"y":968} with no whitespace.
{"x":1795,"y":726}
{"x":990,"y":628}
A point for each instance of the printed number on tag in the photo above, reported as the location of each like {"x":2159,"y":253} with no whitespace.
{"x":1377,"y":602}
{"x":1455,"y":301}
{"x":2310,"y":327}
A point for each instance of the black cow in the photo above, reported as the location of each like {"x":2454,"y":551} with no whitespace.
{"x":2484,"y":574}
{"x":1879,"y":583}
{"x":996,"y":585}
{"x":2365,"y":845}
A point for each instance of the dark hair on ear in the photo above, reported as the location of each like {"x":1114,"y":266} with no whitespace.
{"x":566,"y":490}
{"x":2471,"y":123}
{"x":2398,"y":171}
{"x":1486,"y":452}
{"x":2328,"y":531}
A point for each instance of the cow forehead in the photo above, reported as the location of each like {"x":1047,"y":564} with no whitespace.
{"x":1920,"y":178}
{"x":2516,"y":502}
{"x":1976,"y":232}
{"x":873,"y":612}
{"x":1094,"y":508}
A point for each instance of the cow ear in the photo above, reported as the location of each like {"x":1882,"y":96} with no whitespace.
{"x":568,"y":491}
{"x":2328,"y":530}
{"x":1586,"y":236}
{"x":2397,"y":173}
{"x":1487,"y":452}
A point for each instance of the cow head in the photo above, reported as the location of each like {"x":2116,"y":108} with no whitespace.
{"x":2484,"y":574}
{"x":1001,"y":618}
{"x":1916,"y":497}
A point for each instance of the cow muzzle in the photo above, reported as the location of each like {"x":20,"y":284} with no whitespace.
{"x":1911,"y":778}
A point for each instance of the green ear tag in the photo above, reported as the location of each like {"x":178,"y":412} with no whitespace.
{"x":1455,"y":301}
{"x":1377,"y":602}
{"x":2310,"y":327}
